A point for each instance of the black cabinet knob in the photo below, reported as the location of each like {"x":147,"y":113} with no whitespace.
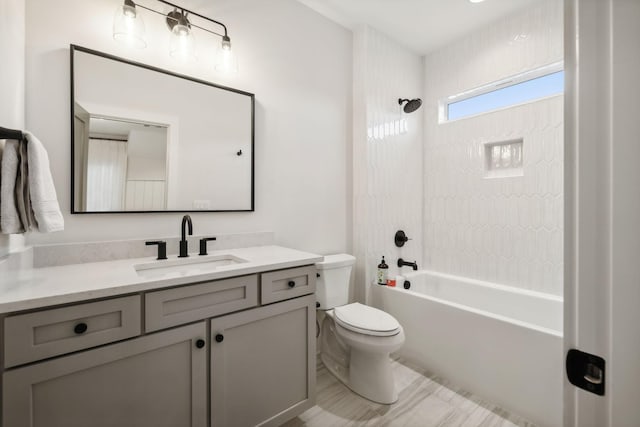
{"x":291,"y":283}
{"x":200,"y":343}
{"x":219,"y":337}
{"x":80,"y":328}
{"x":317,"y":304}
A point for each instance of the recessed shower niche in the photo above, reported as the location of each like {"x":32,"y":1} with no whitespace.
{"x":504,"y":158}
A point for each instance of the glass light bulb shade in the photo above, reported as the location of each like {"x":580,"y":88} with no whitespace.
{"x":182,"y":43}
{"x":128,"y":27}
{"x":226,"y":60}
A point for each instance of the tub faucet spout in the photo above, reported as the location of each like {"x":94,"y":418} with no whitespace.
{"x":402,"y":263}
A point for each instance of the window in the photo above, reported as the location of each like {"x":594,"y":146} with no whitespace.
{"x":526,"y":87}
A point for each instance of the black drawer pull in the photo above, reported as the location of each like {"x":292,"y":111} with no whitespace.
{"x":291,"y":283}
{"x":219,"y":337}
{"x":200,"y":343}
{"x":80,"y":328}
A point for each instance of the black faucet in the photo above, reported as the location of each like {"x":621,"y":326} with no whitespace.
{"x":402,"y":262}
{"x":184,"y":248}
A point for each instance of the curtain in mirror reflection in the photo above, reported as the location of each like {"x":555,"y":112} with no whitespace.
{"x":106,"y":175}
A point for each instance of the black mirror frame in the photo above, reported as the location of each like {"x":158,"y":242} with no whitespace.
{"x":73,"y":48}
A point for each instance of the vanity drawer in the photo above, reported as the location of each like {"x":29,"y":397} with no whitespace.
{"x":190,"y":303}
{"x":39,"y":335}
{"x":284,"y":284}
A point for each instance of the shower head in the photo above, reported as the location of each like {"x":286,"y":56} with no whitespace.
{"x":411,"y":104}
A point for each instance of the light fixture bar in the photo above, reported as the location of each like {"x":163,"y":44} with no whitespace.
{"x":190,"y":23}
{"x":129,"y":27}
{"x":199,"y":16}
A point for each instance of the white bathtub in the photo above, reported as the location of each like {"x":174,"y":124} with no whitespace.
{"x":498,"y":342}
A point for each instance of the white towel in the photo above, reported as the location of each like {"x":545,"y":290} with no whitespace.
{"x":44,"y":201}
{"x":9,"y":217}
{"x":23,"y":201}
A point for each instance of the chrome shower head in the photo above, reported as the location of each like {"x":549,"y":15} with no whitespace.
{"x":411,"y":104}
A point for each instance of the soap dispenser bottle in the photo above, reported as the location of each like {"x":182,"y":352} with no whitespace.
{"x":383,"y":272}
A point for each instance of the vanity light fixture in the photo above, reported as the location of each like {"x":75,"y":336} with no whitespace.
{"x":129,"y":27}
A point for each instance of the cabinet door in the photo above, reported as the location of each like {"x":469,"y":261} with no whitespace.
{"x":156,"y":380}
{"x":263,"y":364}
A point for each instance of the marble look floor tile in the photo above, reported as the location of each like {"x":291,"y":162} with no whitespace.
{"x":424,"y":401}
{"x":429,"y":411}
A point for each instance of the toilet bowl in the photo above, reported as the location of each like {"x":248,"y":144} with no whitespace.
{"x":356,"y":339}
{"x":360,"y":359}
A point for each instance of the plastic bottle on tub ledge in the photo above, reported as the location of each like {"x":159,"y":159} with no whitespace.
{"x":383,"y":272}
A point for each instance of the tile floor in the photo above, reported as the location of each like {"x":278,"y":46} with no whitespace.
{"x":425,"y":401}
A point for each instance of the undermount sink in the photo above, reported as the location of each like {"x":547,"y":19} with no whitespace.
{"x":186,"y":266}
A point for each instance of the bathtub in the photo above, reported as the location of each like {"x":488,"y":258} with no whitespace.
{"x":500,"y":343}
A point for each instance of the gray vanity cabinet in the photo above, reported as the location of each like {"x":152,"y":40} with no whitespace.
{"x":157,"y":380}
{"x":238,"y":351}
{"x":263,"y":364}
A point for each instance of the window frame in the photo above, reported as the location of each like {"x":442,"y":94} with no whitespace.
{"x":443,"y":104}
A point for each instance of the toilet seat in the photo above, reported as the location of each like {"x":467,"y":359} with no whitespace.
{"x":366,"y":320}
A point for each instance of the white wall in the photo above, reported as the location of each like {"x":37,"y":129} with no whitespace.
{"x":147,"y":154}
{"x":12,"y":110}
{"x":296,"y":62}
{"x":387,"y":168}
{"x":504,"y":230}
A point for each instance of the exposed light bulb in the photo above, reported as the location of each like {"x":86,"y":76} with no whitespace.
{"x":129,"y":11}
{"x":128,"y":26}
{"x":182,"y":44}
{"x":226,"y":61}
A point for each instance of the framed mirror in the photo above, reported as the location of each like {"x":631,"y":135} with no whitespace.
{"x":149,"y":140}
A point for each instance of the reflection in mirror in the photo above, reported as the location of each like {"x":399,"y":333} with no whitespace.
{"x":126,"y":166}
{"x":147,"y":140}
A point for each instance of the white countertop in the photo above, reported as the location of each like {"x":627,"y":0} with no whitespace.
{"x":31,"y":288}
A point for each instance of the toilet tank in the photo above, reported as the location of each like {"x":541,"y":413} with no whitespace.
{"x":332,"y":284}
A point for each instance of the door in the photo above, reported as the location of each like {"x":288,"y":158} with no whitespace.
{"x":158,"y":380}
{"x":81,"y":121}
{"x":263,"y":364}
{"x":602,"y":228}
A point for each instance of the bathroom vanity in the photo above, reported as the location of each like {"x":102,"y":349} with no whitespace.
{"x":222,"y":340}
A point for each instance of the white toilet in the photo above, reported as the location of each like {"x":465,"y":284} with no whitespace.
{"x":356,"y":340}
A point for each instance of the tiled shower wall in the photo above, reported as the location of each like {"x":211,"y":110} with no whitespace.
{"x":503,"y":230}
{"x":387,"y":155}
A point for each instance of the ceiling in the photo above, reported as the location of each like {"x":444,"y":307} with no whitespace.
{"x":421,"y":25}
{"x":120,"y":128}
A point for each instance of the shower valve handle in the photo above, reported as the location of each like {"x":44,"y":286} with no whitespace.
{"x":400,"y":238}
